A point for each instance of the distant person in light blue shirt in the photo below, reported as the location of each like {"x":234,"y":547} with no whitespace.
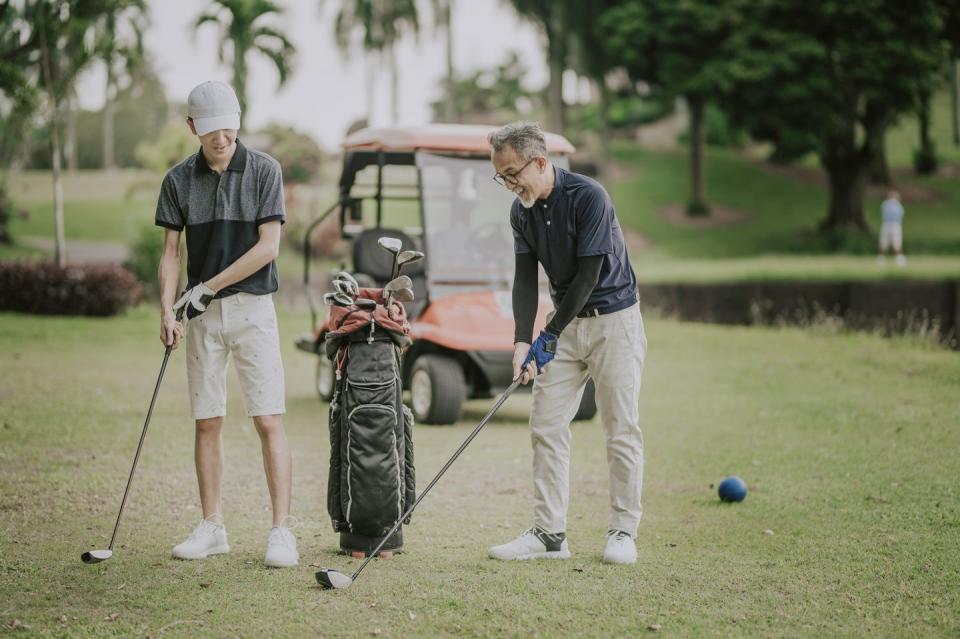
{"x":891,"y":230}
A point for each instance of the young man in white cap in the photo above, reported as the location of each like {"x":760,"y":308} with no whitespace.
{"x":229,"y":199}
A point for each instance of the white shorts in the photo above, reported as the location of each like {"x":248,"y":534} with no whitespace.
{"x":891,"y":234}
{"x":245,"y":326}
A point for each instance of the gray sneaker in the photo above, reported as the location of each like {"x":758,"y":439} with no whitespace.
{"x":533,"y":544}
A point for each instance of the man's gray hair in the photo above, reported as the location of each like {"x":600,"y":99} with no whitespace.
{"x":525,"y":138}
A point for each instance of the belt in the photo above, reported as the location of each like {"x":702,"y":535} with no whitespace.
{"x":596,"y":312}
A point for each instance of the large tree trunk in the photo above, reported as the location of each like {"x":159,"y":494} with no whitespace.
{"x":556,"y":59}
{"x":847,"y":169}
{"x":60,"y":253}
{"x":70,"y":136}
{"x":109,"y":161}
{"x":955,"y":100}
{"x":60,"y":246}
{"x":879,"y":169}
{"x":927,"y":161}
{"x":698,"y":201}
{"x":240,"y":78}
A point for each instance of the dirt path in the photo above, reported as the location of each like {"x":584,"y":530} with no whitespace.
{"x":82,"y":250}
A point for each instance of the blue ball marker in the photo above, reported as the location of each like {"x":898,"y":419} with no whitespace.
{"x":732,"y":489}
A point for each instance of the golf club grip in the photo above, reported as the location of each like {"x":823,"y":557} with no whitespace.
{"x":143,"y":434}
{"x":453,"y":458}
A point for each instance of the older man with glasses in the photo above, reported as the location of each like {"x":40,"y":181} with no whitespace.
{"x":567,"y":223}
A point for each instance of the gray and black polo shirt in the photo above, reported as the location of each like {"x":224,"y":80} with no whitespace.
{"x":222,"y":214}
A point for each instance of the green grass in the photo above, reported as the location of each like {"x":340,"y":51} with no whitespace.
{"x":108,"y":207}
{"x":782,"y":211}
{"x":847,"y":442}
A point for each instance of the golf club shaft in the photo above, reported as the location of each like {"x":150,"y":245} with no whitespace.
{"x":466,"y":442}
{"x":143,"y":435}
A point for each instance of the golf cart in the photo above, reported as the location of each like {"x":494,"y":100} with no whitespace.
{"x":433,"y":183}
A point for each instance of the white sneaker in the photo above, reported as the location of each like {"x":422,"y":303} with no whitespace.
{"x":206,"y":539}
{"x":281,"y":548}
{"x":621,"y":548}
{"x":533,"y":544}
{"x":901,"y":260}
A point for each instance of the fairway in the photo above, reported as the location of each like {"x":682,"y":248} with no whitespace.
{"x":846,"y":442}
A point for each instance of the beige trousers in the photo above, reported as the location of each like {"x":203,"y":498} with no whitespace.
{"x":610,"y":349}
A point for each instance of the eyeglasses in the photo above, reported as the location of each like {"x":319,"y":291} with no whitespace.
{"x":511,"y":180}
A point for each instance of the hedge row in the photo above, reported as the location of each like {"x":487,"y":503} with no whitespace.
{"x":77,"y":289}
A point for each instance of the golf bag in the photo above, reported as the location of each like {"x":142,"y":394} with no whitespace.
{"x":372,"y":480}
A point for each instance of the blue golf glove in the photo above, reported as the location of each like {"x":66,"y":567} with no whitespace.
{"x":543,"y":350}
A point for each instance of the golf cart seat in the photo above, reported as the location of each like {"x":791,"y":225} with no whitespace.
{"x":370,"y":259}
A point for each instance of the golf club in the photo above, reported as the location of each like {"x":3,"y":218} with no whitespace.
{"x":329,"y":578}
{"x":392,"y":246}
{"x":344,"y":275}
{"x":365,"y":304}
{"x":328,"y":299}
{"x":408,"y":257}
{"x":96,"y":556}
{"x":346,"y":288}
{"x":397,"y":284}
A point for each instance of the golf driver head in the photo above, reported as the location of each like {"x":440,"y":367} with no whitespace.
{"x":96,"y":556}
{"x":390,"y":244}
{"x":333,"y":579}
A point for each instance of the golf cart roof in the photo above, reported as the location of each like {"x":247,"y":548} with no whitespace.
{"x":449,"y":138}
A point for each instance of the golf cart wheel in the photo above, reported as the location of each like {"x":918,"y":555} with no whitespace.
{"x":437,"y":389}
{"x":588,"y":403}
{"x":326,"y":378}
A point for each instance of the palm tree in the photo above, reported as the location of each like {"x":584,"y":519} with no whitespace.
{"x":553,"y":18}
{"x":122,"y":50}
{"x":382,"y":24}
{"x":239,"y":20}
{"x":65,"y":34}
{"x":442,"y":16}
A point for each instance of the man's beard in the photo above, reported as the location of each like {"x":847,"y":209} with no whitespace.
{"x":526,"y":199}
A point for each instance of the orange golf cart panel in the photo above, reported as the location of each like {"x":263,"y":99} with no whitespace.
{"x":474,"y":321}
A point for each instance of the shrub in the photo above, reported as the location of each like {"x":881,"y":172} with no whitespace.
{"x":145,"y":253}
{"x":77,"y":289}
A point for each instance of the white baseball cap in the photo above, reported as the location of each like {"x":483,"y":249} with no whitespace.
{"x":213,"y":106}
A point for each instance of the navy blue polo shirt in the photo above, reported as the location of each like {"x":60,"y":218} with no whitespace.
{"x":577,"y":220}
{"x":222,"y":214}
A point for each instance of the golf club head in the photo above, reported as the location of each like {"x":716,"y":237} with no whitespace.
{"x":365,"y":304}
{"x":406,"y":257}
{"x":397,"y":283}
{"x":390,"y":244}
{"x":402,"y":295}
{"x":343,"y":275}
{"x":96,"y":556}
{"x":342,"y":300}
{"x":333,"y":579}
{"x":328,"y":299}
{"x":346,"y":287}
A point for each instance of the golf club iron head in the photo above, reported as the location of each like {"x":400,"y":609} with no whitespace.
{"x":402,"y":295}
{"x":408,"y":257}
{"x":343,"y":275}
{"x":96,"y":556}
{"x":328,"y":299}
{"x":342,"y":300}
{"x":397,"y":283}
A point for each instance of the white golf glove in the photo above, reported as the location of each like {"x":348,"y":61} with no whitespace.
{"x":195,"y":299}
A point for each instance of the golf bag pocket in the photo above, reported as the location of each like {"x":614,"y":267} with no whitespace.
{"x":334,"y":476}
{"x":410,"y":479}
{"x":372,"y":471}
